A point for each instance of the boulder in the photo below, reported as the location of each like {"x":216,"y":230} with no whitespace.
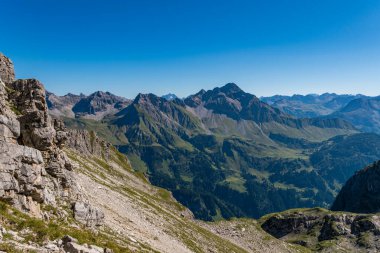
{"x":71,"y":245}
{"x":88,"y":215}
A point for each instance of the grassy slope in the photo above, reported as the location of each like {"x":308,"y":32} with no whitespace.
{"x":117,"y":176}
{"x":36,"y":232}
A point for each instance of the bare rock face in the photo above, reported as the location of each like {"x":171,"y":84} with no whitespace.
{"x":7,"y":73}
{"x":28,"y":96}
{"x":21,"y":173}
{"x":88,"y":215}
{"x":71,"y":245}
{"x":87,"y":143}
{"x":34,"y":169}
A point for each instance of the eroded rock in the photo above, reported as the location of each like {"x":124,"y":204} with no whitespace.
{"x":87,"y":214}
{"x":34,"y":169}
{"x":7,"y":73}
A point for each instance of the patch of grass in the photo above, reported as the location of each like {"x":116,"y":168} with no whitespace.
{"x":15,"y":110}
{"x":38,"y":231}
{"x":9,"y":248}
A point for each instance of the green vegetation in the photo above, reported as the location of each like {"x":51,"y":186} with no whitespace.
{"x":161,"y":202}
{"x":38,"y":231}
{"x":217,"y":164}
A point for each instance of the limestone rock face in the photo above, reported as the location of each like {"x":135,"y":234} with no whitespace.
{"x":28,"y":96}
{"x":88,"y":215}
{"x":34,"y":168}
{"x":7,"y":73}
{"x":21,"y":170}
{"x":87,"y":143}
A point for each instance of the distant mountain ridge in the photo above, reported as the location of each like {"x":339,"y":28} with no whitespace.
{"x":364,"y":113}
{"x":233,"y":102}
{"x":211,"y":148}
{"x":94,"y":106}
{"x":311,"y":105}
{"x":361,"y":111}
{"x":169,"y":96}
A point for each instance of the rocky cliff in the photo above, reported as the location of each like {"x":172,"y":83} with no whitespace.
{"x":34,"y":169}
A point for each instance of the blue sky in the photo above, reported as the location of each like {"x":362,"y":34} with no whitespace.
{"x":126,"y":47}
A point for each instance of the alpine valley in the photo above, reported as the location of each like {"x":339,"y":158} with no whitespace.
{"x":225,"y":153}
{"x":217,"y":171}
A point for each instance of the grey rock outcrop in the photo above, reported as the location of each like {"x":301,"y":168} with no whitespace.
{"x":7,"y":73}
{"x":87,"y":143}
{"x":71,"y":245}
{"x":87,"y":214}
{"x":310,"y":227}
{"x":34,"y":168}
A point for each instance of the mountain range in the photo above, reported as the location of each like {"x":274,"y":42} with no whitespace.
{"x":221,"y":153}
{"x":226,"y":153}
{"x":361,"y":111}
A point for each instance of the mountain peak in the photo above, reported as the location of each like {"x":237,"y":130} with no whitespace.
{"x":230,"y":88}
{"x":169,"y":96}
{"x":101,"y":94}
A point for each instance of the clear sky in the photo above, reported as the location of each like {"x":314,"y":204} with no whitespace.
{"x":267,"y":47}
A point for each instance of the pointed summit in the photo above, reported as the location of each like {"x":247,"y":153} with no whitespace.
{"x":99,"y":103}
{"x":230,"y":88}
{"x":170,"y":96}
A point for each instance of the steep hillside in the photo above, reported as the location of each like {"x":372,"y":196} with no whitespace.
{"x":361,"y":193}
{"x":309,"y":106}
{"x":339,"y":158}
{"x":363,"y":113}
{"x":144,"y":217}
